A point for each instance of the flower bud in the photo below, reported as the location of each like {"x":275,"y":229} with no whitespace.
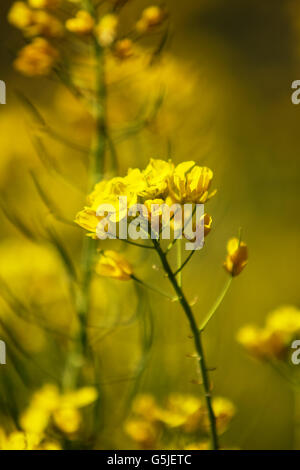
{"x":237,"y":257}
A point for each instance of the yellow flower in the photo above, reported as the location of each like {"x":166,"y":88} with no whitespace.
{"x":20,"y":15}
{"x":37,"y":58}
{"x":114,"y":265}
{"x":285,"y":320}
{"x":51,"y":4}
{"x":83,"y":23}
{"x":151,"y":17}
{"x":44,"y":24}
{"x":146,"y":407}
{"x":124,"y":49}
{"x":142,"y":431}
{"x":237,"y":257}
{"x":262,"y":343}
{"x":224,"y":411}
{"x":49,"y":402}
{"x":157,"y":175}
{"x":190,"y":183}
{"x":106,"y":30}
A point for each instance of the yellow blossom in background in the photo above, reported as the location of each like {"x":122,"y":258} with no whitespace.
{"x":82,"y":23}
{"x":124,"y":49}
{"x":49,"y":402}
{"x":151,"y":17}
{"x":37,"y":58}
{"x":237,"y":257}
{"x":51,"y":4}
{"x":20,"y":15}
{"x":142,"y":432}
{"x":112,"y":264}
{"x":273,"y":341}
{"x":224,"y":412}
{"x":106,"y":30}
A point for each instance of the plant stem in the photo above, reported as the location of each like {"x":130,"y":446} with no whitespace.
{"x":197,"y":340}
{"x":216,"y":304}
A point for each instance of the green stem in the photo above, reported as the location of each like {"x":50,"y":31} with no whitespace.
{"x":216,"y":304}
{"x":153,"y":288}
{"x":197,"y":340}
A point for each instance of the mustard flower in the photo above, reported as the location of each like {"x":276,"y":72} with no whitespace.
{"x":81,"y":24}
{"x":106,"y":30}
{"x":49,"y":403}
{"x":151,"y":17}
{"x":112,"y":264}
{"x":37,"y":58}
{"x":273,"y":341}
{"x":190,"y":183}
{"x":143,"y":432}
{"x":124,"y":48}
{"x":237,"y":257}
{"x":20,"y":15}
{"x":51,"y":4}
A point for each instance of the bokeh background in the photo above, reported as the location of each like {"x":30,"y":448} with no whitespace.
{"x":228,"y":106}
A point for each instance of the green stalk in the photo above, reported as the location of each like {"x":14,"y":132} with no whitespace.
{"x":197,"y":340}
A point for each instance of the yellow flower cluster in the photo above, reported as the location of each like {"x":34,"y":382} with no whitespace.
{"x":185,"y":412}
{"x":37,"y":58}
{"x":34,"y":22}
{"x":275,"y":339}
{"x":161,"y":182}
{"x":49,"y":406}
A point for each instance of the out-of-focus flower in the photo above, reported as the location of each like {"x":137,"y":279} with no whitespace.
{"x":146,"y":406}
{"x":49,"y":402}
{"x":124,"y":49}
{"x":237,"y":257}
{"x":18,"y":440}
{"x":81,"y":24}
{"x":51,"y":4}
{"x":114,"y":265}
{"x":198,"y":446}
{"x":274,"y":340}
{"x":224,"y":412}
{"x":141,"y":431}
{"x":20,"y":15}
{"x":151,"y":17}
{"x":106,"y":30}
{"x":190,"y":183}
{"x":37,"y":58}
{"x":34,"y":22}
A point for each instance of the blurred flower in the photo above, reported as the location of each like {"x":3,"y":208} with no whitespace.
{"x":19,"y":440}
{"x":124,"y":49}
{"x":274,"y":340}
{"x":237,"y":257}
{"x":37,"y":58}
{"x":49,"y":402}
{"x":82,"y":23}
{"x":51,"y":4}
{"x":34,"y":22}
{"x":106,"y":30}
{"x":114,"y":265}
{"x":151,"y":17}
{"x":141,"y":431}
{"x":20,"y":15}
{"x":224,"y":412}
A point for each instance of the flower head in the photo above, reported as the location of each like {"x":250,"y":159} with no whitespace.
{"x":81,"y":24}
{"x":124,"y":48}
{"x":50,"y":4}
{"x":112,"y":264}
{"x":106,"y":30}
{"x":151,"y":17}
{"x":37,"y":58}
{"x":20,"y":15}
{"x":237,"y":257}
{"x":190,"y":183}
